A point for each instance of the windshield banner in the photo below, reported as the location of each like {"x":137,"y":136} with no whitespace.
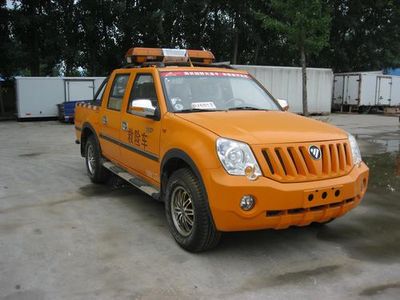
{"x":201,"y":73}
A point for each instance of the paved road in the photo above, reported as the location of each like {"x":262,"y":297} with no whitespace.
{"x":62,"y":237}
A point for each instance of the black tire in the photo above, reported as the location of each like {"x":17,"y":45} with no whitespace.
{"x":203,"y":234}
{"x":96,"y":172}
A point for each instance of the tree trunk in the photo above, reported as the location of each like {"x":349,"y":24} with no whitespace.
{"x":235,"y":46}
{"x":34,"y":65}
{"x":34,"y":55}
{"x":235,"y":39}
{"x":2,"y":110}
{"x":33,"y":36}
{"x":257,"y":51}
{"x":68,"y":66}
{"x":304,"y":77}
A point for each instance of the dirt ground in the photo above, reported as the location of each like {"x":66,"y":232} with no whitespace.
{"x":62,"y":237}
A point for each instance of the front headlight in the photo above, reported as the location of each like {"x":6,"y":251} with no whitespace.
{"x":237,"y":158}
{"x":355,"y":150}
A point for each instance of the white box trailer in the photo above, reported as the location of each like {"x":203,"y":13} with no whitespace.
{"x":286,"y":83}
{"x":365,"y":89}
{"x":37,"y":97}
{"x":395,"y":97}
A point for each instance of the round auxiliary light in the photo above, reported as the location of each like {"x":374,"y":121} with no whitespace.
{"x":250,"y":172}
{"x":247,"y":202}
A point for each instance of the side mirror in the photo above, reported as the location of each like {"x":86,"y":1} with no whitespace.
{"x":284,"y":104}
{"x":143,"y":108}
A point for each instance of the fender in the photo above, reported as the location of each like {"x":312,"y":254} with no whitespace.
{"x":87,"y":125}
{"x":177,"y":153}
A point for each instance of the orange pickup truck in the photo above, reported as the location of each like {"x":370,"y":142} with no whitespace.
{"x":216,"y":147}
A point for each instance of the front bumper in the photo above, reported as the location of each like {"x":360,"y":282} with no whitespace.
{"x":280,"y":205}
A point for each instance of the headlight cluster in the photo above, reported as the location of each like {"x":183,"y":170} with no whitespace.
{"x":355,"y":150}
{"x":237,"y":158}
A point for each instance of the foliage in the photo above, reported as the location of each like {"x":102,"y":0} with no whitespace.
{"x":6,"y":43}
{"x":301,"y":23}
{"x":365,"y":35}
{"x":40,"y":37}
{"x":304,"y":25}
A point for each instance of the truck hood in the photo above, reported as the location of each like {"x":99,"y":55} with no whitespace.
{"x":264,"y":127}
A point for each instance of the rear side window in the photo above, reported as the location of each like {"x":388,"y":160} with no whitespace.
{"x":117,"y":91}
{"x":100,"y":92}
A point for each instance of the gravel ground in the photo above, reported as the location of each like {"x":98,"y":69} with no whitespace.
{"x":62,"y":237}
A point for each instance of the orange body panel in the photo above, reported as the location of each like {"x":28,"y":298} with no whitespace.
{"x":281,"y":205}
{"x":278,"y":140}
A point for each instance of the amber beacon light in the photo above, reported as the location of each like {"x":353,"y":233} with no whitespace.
{"x":140,"y":55}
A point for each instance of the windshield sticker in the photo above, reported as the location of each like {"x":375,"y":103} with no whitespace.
{"x":177,"y":103}
{"x":175,"y":100}
{"x":203,"y":105}
{"x":178,"y":106}
{"x":198,"y":73}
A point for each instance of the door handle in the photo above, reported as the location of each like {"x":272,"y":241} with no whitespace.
{"x":124,"y":125}
{"x":104,"y":120}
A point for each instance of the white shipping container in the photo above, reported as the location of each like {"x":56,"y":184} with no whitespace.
{"x":286,"y":83}
{"x":366,"y":89}
{"x":395,"y":91}
{"x":37,"y":97}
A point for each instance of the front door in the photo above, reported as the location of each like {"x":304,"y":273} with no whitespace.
{"x":141,"y":135}
{"x":111,"y":117}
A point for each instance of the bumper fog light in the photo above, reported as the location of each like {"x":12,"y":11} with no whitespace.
{"x":250,"y":172}
{"x":247,"y":202}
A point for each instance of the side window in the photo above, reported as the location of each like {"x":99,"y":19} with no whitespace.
{"x":143,"y":88}
{"x":100,"y":91}
{"x":117,"y":91}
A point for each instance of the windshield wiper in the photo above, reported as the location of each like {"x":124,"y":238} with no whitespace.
{"x":245,"y":108}
{"x":195,"y":110}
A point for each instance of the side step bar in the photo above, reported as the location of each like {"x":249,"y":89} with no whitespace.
{"x":134,"y":180}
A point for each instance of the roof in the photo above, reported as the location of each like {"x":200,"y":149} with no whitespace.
{"x":207,"y":68}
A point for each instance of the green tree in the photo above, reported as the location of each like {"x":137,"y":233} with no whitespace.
{"x":99,"y":48}
{"x":7,"y":57}
{"x":35,"y":33}
{"x":365,"y":35}
{"x":39,"y":36}
{"x":69,"y":37}
{"x":303,"y":25}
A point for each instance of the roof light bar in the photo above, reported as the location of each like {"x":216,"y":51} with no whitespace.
{"x":175,"y":55}
{"x":141,"y":55}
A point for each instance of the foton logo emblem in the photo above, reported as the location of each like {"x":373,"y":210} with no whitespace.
{"x":315,"y":152}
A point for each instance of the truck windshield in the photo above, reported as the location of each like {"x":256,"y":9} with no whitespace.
{"x":188,"y":91}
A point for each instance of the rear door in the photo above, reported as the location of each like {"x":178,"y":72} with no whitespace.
{"x":111,"y":116}
{"x":384,"y":87}
{"x":77,"y":90}
{"x":338,"y":83}
{"x":141,"y":135}
{"x":352,"y":96}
